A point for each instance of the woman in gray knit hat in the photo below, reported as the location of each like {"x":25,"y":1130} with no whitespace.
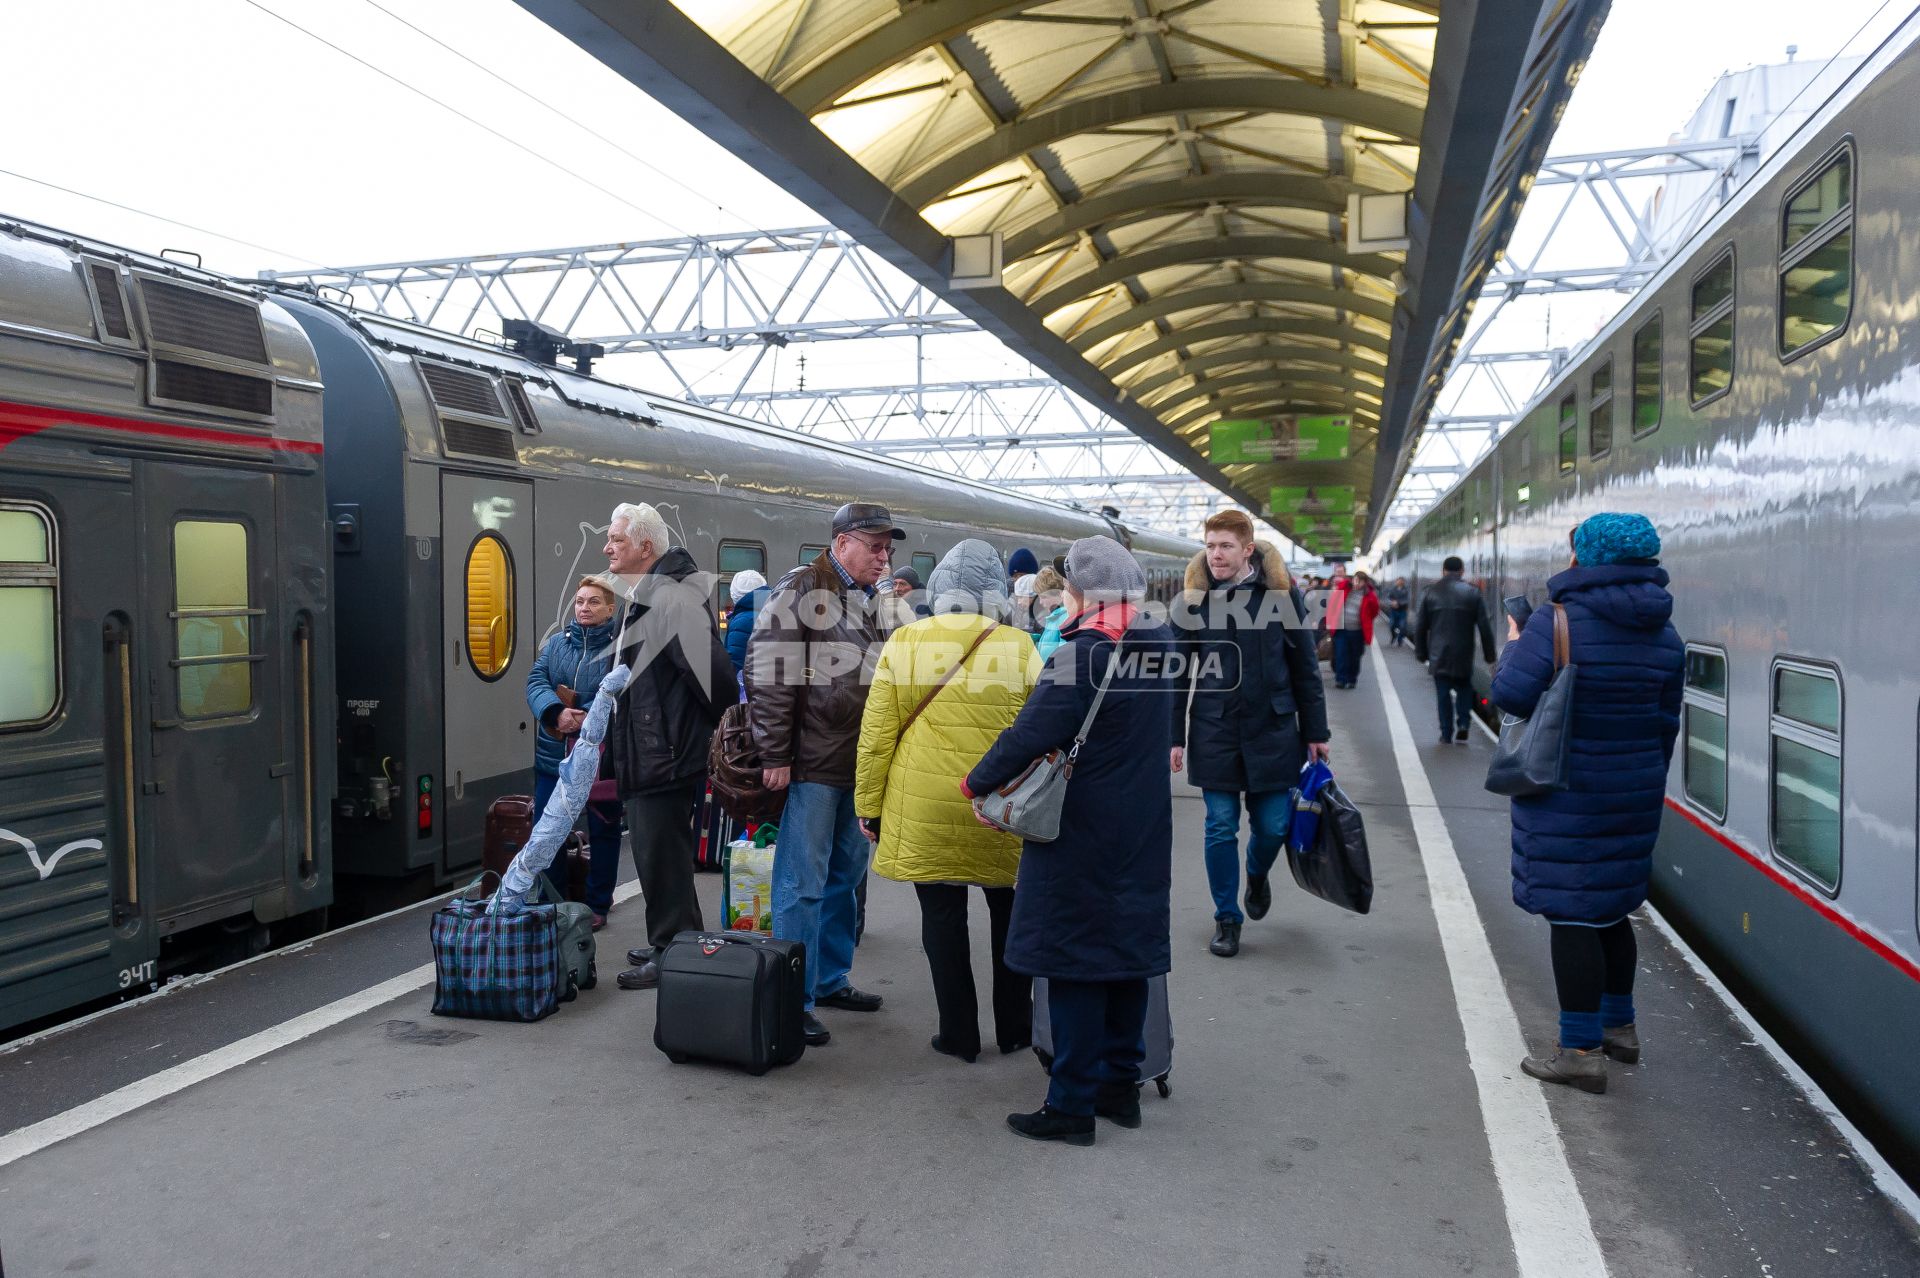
{"x":1090,"y":909}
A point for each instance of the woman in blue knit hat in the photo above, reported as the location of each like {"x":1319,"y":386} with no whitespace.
{"x":1582,"y":855}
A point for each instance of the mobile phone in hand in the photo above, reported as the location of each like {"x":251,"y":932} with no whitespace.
{"x":1518,"y":608}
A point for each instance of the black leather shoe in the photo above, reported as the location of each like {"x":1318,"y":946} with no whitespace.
{"x":644,"y":977}
{"x":1119,"y":1102}
{"x":813,"y":1031}
{"x":1048,"y":1123}
{"x":940,"y":1046}
{"x":640,"y":957}
{"x":1226,"y":938}
{"x":848,"y":999}
{"x":1460,"y":735}
{"x":1008,"y":1049}
{"x":1259,"y":895}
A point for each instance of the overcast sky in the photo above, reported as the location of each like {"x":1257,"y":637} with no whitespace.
{"x":298,"y":133}
{"x":218,"y":114}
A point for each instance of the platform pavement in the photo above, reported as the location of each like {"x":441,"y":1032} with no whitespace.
{"x":1324,"y":1120}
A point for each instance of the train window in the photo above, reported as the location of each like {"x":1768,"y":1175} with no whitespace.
{"x":923,"y":563}
{"x":1569,"y":432}
{"x":490,"y":619}
{"x":1816,"y":256}
{"x":1704,"y":760}
{"x":810,"y":553}
{"x":1600,"y":411}
{"x":740,"y":556}
{"x":212,"y":618}
{"x":1710,"y":332}
{"x":1646,"y":378}
{"x":29,"y":606}
{"x":1804,"y":770}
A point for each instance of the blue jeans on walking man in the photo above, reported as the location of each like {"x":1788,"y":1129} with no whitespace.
{"x":1267,"y":818}
{"x":603,"y":843}
{"x":1455,"y":698}
{"x":819,"y":858}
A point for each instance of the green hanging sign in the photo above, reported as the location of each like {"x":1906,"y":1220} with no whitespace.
{"x":1322,"y":438}
{"x":1237,"y":441}
{"x":1320,"y":499}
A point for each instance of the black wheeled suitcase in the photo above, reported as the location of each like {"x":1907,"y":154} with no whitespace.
{"x":734,"y":998}
{"x":1157,"y":1068}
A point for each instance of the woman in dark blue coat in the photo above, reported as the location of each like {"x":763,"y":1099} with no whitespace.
{"x":577,"y":658}
{"x":747,"y":592}
{"x":1582,"y":855}
{"x":1090,"y":908}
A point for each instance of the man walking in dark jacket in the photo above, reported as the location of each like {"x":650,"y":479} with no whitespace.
{"x":1258,"y":712}
{"x":809,"y":665}
{"x":1450,"y":612}
{"x":663,"y":724}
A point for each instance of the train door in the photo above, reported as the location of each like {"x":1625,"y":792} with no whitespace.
{"x":215,"y":789}
{"x":490,"y":640}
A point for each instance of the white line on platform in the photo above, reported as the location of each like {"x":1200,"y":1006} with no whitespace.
{"x":31,"y":1139}
{"x":1552,"y":1233}
{"x":1898,"y":1192}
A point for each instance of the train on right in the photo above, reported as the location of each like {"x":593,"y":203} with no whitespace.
{"x":1759,"y":400}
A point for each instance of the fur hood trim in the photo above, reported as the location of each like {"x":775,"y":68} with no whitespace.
{"x":1273,"y":567}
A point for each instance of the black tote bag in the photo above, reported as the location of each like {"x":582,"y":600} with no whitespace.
{"x":1335,"y":866}
{"x":1532,"y":757}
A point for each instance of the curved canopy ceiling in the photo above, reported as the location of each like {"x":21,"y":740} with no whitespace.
{"x":1169,"y":177}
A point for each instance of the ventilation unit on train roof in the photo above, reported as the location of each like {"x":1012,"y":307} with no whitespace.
{"x":472,"y":421}
{"x":208,"y":349}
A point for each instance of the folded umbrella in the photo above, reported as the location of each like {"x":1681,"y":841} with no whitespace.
{"x":570,"y":793}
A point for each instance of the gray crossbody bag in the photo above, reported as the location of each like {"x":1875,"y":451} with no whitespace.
{"x":1030,"y":804}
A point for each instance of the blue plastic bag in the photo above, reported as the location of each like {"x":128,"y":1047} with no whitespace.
{"x":1303,"y":805}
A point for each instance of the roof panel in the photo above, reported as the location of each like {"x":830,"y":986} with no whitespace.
{"x":1161,"y":165}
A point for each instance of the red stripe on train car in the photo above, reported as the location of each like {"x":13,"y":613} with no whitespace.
{"x":1818,"y":905}
{"x":17,"y":421}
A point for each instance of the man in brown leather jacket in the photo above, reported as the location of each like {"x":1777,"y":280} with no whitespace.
{"x":809,"y":666}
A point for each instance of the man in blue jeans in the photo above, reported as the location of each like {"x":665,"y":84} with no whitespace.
{"x":809,"y":665}
{"x":1249,"y":711}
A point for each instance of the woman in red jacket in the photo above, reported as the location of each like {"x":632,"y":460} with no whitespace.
{"x":1351,"y":609}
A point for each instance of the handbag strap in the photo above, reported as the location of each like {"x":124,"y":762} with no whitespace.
{"x":1562,"y":640}
{"x":1086,"y":725}
{"x":944,"y":679}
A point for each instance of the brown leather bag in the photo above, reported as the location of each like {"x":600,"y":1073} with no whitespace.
{"x":734,"y":772}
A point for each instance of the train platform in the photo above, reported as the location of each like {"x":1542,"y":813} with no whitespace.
{"x":1346,"y":1100}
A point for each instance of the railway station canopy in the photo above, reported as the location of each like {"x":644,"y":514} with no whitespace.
{"x":1272,"y":214}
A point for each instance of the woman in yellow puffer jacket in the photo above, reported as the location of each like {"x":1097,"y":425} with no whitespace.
{"x":907,"y":788}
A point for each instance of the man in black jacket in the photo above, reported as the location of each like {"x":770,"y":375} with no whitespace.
{"x":1258,"y":713}
{"x":663,"y":724}
{"x":1450,"y":611}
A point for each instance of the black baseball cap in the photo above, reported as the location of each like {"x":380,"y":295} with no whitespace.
{"x":860,"y":516}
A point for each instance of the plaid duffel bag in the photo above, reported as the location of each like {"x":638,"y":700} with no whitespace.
{"x":497,"y":967}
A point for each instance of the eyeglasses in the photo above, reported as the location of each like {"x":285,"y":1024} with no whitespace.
{"x":884,"y":547}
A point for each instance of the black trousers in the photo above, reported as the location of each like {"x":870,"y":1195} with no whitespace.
{"x":660,"y":823}
{"x":1591,"y":961}
{"x":943,"y":933}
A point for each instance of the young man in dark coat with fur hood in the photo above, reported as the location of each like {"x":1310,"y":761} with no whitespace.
{"x":1258,"y":710}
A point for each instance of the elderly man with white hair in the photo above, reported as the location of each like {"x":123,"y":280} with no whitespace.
{"x":682,"y":682}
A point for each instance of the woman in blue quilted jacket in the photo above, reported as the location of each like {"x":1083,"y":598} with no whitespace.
{"x":1582,"y":855}
{"x":577,"y":659}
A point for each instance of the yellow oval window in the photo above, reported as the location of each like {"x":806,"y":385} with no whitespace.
{"x":489,"y":606}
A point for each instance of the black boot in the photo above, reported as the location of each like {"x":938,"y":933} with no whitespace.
{"x":1259,"y":895}
{"x":1226,"y":938}
{"x":1048,"y":1123}
{"x":1119,"y":1102}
